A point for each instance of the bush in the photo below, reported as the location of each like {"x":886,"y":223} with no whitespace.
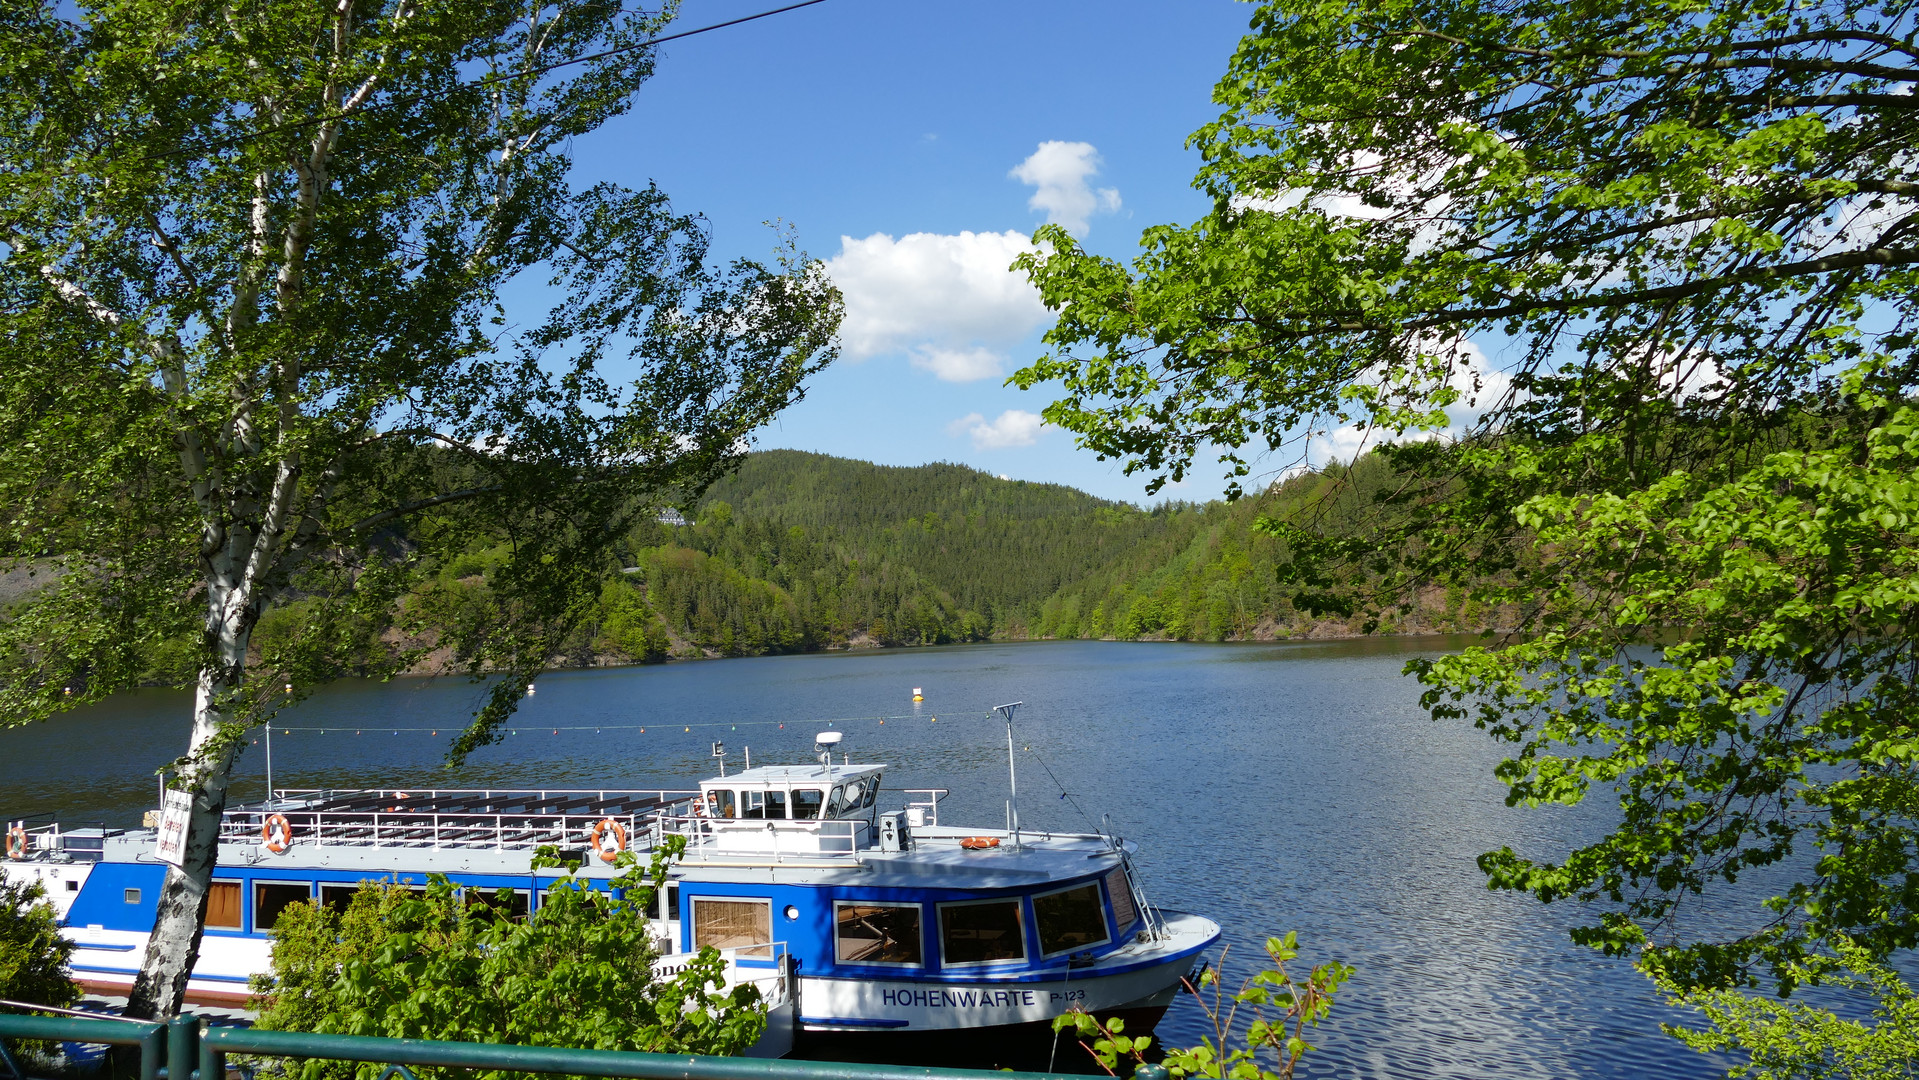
{"x":33,"y":955}
{"x":577,"y":973}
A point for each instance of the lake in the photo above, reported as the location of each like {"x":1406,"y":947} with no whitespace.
{"x":1271,"y":787}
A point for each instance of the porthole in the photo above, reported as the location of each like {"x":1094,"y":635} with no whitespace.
{"x":792,"y":912}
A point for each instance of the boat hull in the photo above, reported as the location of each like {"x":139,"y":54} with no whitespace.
{"x":1135,"y":978}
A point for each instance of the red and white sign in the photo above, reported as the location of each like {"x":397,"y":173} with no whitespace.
{"x":171,"y":844}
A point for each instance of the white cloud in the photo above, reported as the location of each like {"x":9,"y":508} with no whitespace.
{"x":951,"y":300}
{"x":1059,"y":171}
{"x":958,"y":365}
{"x":1014,"y":427}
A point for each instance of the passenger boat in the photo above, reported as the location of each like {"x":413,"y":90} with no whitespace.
{"x":853,"y":920}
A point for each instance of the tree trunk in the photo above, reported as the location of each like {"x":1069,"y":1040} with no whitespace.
{"x":160,"y":989}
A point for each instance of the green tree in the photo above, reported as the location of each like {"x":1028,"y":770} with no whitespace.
{"x":252,"y":319}
{"x":33,"y":955}
{"x":1688,"y":230}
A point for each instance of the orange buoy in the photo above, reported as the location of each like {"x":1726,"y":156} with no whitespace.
{"x":978,"y":843}
{"x":608,"y":839}
{"x":277,"y":834}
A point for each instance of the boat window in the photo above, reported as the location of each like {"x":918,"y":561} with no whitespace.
{"x":719,"y":803}
{"x":878,"y":933}
{"x":1070,"y":919}
{"x":508,"y":902}
{"x":337,"y":897}
{"x":223,"y":904}
{"x":733,"y":924}
{"x":806,"y":803}
{"x":776,"y":804}
{"x":837,"y":801}
{"x":752,"y":804}
{"x":981,"y":933}
{"x":131,"y":896}
{"x":872,"y":792}
{"x":1122,"y":894}
{"x":270,"y":900}
{"x":670,"y":903}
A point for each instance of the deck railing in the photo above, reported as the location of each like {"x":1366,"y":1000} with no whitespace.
{"x":182,"y":1049}
{"x":421,"y":818}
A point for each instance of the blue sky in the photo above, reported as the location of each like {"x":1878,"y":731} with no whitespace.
{"x":887,"y":134}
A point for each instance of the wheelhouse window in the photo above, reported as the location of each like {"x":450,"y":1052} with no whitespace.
{"x":981,"y":933}
{"x":746,"y":925}
{"x":720,"y":804}
{"x":269,"y":900}
{"x":223,"y":904}
{"x":877,"y":933}
{"x":1122,"y":894}
{"x":1070,"y":919}
{"x":806,"y":803}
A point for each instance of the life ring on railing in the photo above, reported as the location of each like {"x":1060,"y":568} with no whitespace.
{"x":699,"y":808}
{"x":977,"y":843}
{"x":606,"y":830}
{"x":17,"y":842}
{"x":276,"y":833}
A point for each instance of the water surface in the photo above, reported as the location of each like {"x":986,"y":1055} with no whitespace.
{"x":1293,"y":786}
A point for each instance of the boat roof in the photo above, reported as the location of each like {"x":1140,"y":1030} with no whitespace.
{"x":781,"y":775}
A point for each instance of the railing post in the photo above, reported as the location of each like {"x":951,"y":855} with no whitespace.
{"x":213,"y":1061}
{"x":153,"y":1045}
{"x":183,"y":1046}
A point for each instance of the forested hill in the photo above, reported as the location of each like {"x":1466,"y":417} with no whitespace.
{"x":994,"y":547}
{"x":803,"y":551}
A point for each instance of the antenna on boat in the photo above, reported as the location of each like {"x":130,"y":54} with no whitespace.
{"x":719,"y":751}
{"x":823,"y":744}
{"x":1012,"y":774}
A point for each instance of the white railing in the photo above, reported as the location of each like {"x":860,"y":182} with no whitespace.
{"x":412,"y":819}
{"x":929,"y":806}
{"x":777,"y":839}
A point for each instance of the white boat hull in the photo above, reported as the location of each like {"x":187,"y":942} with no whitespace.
{"x":1131,"y":978}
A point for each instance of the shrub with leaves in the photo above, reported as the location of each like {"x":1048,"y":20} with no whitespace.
{"x":33,"y":955}
{"x":1786,"y":1040}
{"x":1276,"y":1011}
{"x":578,"y":972}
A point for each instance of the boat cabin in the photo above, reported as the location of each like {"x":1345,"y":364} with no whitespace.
{"x":790,"y":810}
{"x":794,"y":793}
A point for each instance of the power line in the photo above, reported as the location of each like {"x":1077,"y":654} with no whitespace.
{"x":295,"y":125}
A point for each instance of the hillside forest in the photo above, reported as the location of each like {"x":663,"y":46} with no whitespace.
{"x":799,"y":552}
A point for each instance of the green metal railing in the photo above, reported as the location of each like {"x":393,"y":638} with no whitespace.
{"x":150,"y":1037}
{"x":191,"y":1052}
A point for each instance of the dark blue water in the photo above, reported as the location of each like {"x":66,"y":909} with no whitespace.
{"x":1270,"y":787}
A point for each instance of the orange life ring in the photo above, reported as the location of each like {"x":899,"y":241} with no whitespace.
{"x":699,"y":808}
{"x":17,"y":842}
{"x":598,"y":837}
{"x":276,"y":833}
{"x":976,"y":843}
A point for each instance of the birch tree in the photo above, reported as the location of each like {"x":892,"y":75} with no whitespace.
{"x":257,"y":344}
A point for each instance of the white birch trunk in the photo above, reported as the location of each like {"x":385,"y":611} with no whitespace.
{"x":160,"y":989}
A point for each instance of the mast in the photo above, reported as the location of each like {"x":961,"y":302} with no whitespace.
{"x":1012,"y":774}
